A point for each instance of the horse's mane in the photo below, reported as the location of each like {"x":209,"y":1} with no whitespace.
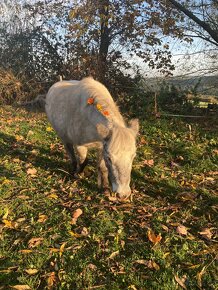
{"x":100,"y":93}
{"x":120,"y":138}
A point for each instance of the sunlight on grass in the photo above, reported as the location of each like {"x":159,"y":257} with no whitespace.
{"x":164,"y":238}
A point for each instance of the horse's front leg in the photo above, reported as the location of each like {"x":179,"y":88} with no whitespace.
{"x":82,"y":160}
{"x":103,"y":175}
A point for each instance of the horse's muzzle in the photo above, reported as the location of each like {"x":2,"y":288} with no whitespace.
{"x":124,"y":195}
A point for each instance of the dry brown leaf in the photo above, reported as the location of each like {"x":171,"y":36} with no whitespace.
{"x":199,"y":277}
{"x":31,"y":171}
{"x":149,"y":162}
{"x":84,"y":232}
{"x":206,"y":233}
{"x":112,"y":198}
{"x":182,"y":230}
{"x":19,"y":138}
{"x":142,"y":262}
{"x":31,"y":271}
{"x":77,"y":213}
{"x":54,"y":250}
{"x":153,"y":238}
{"x":165,"y":228}
{"x":181,"y":281}
{"x":35,"y":242}
{"x":21,"y":287}
{"x":22,"y":196}
{"x":51,"y":279}
{"x":153,"y":265}
{"x":16,"y":160}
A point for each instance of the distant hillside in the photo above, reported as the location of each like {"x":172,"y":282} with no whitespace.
{"x":206,"y":85}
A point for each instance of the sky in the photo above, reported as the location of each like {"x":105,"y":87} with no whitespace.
{"x":189,"y":59}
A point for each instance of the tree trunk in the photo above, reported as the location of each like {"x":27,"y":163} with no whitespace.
{"x":104,"y":40}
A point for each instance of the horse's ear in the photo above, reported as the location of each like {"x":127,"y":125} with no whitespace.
{"x":134,"y":125}
{"x":103,"y":131}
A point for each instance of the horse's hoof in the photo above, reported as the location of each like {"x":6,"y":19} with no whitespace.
{"x":75,"y":175}
{"x":106,"y":191}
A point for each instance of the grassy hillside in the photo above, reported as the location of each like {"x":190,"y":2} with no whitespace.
{"x":59,"y":233}
{"x":206,"y":86}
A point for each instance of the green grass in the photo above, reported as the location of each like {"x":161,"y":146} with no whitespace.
{"x":109,"y":247}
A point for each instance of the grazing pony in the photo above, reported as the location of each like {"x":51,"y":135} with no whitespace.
{"x":84,"y":115}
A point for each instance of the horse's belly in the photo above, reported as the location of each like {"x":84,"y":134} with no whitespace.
{"x":72,"y":127}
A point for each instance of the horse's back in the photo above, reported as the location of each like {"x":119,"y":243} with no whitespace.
{"x":61,"y":105}
{"x":69,"y":112}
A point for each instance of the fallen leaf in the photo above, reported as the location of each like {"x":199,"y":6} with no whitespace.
{"x":35,"y":242}
{"x":132,"y":287}
{"x":34,"y":152}
{"x":6,"y":181}
{"x":73,"y":234}
{"x":24,"y":197}
{"x":149,"y":162}
{"x":54,"y":250}
{"x":113,"y":255}
{"x":153,"y":265}
{"x":92,"y":267}
{"x":21,"y":287}
{"x":31,"y":271}
{"x":62,"y":249}
{"x":53,"y":196}
{"x":165,"y":228}
{"x":199,"y":277}
{"x":153,"y":238}
{"x":206,"y":233}
{"x":10,"y":224}
{"x":112,"y":198}
{"x":141,"y":262}
{"x":181,"y":281}
{"x":182,"y":230}
{"x":49,"y":129}
{"x":32,"y":172}
{"x":25,"y":251}
{"x":84,"y":232}
{"x":77,"y":213}
{"x":30,"y":133}
{"x":51,"y":279}
{"x":19,"y":138}
{"x":16,"y":160}
{"x":194,"y":266}
{"x":6,"y":213}
{"x":42,"y":218}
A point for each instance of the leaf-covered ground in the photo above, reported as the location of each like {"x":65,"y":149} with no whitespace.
{"x":59,"y":233}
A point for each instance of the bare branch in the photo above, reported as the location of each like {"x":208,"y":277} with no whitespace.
{"x":213,"y":33}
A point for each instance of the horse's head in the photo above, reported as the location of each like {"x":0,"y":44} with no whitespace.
{"x":119,"y":149}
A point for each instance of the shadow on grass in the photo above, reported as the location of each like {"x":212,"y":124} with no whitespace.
{"x":22,"y":150}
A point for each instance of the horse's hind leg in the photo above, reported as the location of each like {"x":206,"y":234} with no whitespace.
{"x":70,"y":151}
{"x":82,"y":160}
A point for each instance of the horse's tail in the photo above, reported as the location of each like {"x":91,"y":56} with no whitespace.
{"x":36,"y":105}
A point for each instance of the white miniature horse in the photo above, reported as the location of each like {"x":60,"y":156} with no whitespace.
{"x":84,"y":115}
